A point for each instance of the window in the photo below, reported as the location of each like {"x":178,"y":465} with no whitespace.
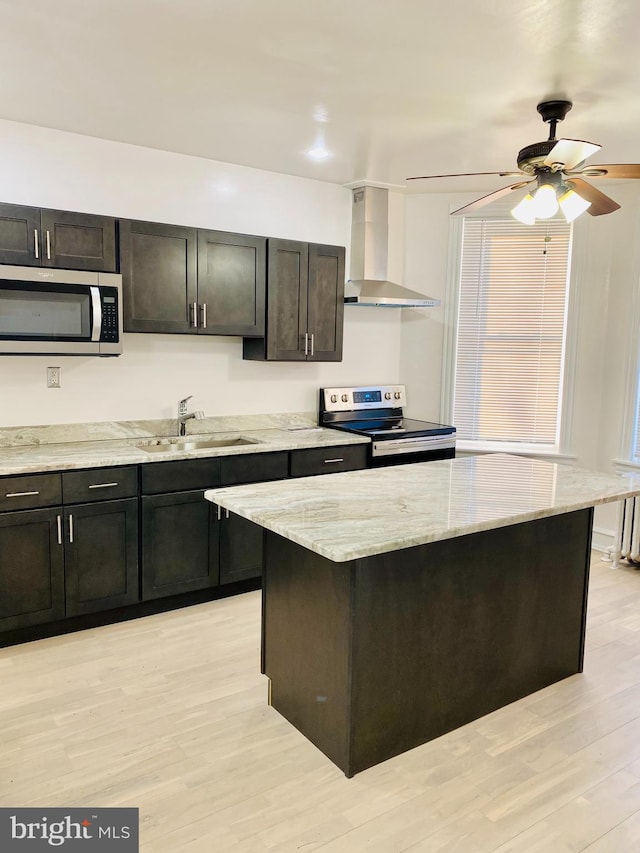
{"x":510,"y":334}
{"x":635,"y":443}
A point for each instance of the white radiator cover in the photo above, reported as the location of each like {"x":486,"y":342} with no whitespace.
{"x":627,"y":541}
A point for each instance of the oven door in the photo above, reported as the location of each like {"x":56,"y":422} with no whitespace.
{"x":415,"y":449}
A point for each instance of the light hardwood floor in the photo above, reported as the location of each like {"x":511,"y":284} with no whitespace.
{"x":169,"y":714}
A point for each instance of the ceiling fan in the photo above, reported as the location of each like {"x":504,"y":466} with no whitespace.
{"x":553,"y":171}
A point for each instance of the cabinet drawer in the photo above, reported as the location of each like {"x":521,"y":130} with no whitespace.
{"x":99,"y":484}
{"x":32,"y":490}
{"x":157,"y":477}
{"x":328,"y":460}
{"x":253,"y":468}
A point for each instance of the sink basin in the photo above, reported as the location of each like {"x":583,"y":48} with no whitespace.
{"x":166,"y":445}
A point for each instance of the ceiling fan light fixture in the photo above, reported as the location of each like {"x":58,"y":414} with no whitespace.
{"x":524,"y":211}
{"x":545,"y":202}
{"x":572,"y":205}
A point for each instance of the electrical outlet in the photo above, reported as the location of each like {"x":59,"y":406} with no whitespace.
{"x":53,"y":377}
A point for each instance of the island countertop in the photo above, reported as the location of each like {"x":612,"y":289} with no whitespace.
{"x":347,"y":516}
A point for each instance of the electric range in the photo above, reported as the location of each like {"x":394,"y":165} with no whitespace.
{"x":377,"y":411}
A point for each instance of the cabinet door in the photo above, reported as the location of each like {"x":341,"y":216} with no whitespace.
{"x":19,"y":235}
{"x":158,"y":266}
{"x":180,"y":544}
{"x":31,"y":568}
{"x":78,"y":241}
{"x":231,"y":284}
{"x":287,"y":278}
{"x":101,"y":555}
{"x":326,"y":302}
{"x":241,"y":549}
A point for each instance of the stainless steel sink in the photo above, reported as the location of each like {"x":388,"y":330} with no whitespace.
{"x":166,"y":445}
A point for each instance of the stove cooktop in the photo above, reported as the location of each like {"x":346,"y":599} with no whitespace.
{"x":399,"y":427}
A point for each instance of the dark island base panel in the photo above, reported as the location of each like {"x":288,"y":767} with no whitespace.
{"x":124,"y":614}
{"x":373,"y":657}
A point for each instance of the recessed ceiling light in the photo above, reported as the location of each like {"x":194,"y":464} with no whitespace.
{"x":318,"y":152}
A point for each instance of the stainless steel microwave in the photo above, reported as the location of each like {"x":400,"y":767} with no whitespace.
{"x":66,"y":312}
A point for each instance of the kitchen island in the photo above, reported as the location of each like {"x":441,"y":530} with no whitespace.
{"x":401,"y":603}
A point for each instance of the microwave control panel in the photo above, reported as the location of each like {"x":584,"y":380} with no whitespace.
{"x":109,"y":299}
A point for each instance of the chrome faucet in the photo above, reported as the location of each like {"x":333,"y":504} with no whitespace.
{"x":184,"y":416}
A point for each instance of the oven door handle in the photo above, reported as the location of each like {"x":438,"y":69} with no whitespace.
{"x":419,"y":444}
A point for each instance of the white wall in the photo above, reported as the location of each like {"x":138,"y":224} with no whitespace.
{"x":427,"y":250}
{"x":48,"y":168}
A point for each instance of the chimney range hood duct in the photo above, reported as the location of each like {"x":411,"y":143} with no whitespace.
{"x":368,"y":284}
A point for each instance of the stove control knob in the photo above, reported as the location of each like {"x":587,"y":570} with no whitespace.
{"x":345,"y":398}
{"x":334,"y":398}
{"x":387,"y":395}
{"x":397,"y":395}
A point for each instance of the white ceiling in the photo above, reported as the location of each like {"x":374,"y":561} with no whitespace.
{"x":391,"y":88}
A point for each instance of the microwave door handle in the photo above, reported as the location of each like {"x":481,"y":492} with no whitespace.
{"x":96,"y":312}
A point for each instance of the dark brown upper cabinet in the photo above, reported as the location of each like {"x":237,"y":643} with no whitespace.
{"x":30,"y":236}
{"x":158,"y":264}
{"x":188,"y":281}
{"x":305,"y":304}
{"x":231,"y":283}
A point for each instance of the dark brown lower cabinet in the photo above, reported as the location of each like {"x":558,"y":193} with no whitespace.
{"x":180,"y":544}
{"x":31,"y":568}
{"x":101,"y":556}
{"x":59,"y":562}
{"x":241,"y":549}
{"x":67,"y":551}
{"x":187,"y":543}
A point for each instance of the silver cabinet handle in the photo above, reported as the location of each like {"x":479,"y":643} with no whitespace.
{"x":48,"y":245}
{"x":311,"y":343}
{"x":227,"y":513}
{"x":204,"y":315}
{"x":70,"y":528}
{"x":102,"y":485}
{"x":20,"y":494}
{"x":194,"y":315}
{"x":326,"y":461}
{"x":59,"y":522}
{"x":35,"y":242}
{"x":306,"y":343}
{"x":219,"y":512}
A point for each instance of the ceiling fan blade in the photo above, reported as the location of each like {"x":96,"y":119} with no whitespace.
{"x":487,"y":199}
{"x":619,"y":170}
{"x":570,"y":152}
{"x":600,"y":203}
{"x":466,"y":175}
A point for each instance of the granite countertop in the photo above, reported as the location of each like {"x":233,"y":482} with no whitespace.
{"x":30,"y":450}
{"x":346,"y":516}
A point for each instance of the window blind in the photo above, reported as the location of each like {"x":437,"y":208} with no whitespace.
{"x":635,"y":450}
{"x":511,"y":330}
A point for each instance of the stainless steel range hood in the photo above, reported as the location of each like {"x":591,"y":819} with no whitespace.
{"x":368,"y":284}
